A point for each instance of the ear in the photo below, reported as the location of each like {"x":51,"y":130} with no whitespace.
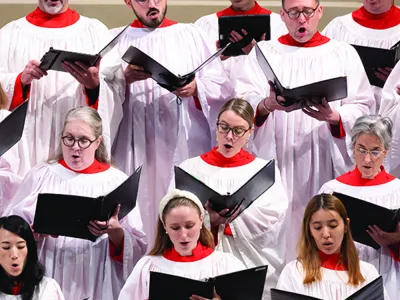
{"x":320,"y":11}
{"x":128,"y":3}
{"x":98,"y":141}
{"x":347,"y":225}
{"x":282,"y":13}
{"x":201,"y":219}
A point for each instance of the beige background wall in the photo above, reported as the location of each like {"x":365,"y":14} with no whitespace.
{"x":114,"y":13}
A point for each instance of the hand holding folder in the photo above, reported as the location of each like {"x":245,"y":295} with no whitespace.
{"x":236,"y":202}
{"x":330,"y":89}
{"x":372,"y":291}
{"x":247,"y":284}
{"x":69,"y":215}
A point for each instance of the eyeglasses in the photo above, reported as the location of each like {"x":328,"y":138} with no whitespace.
{"x":83,"y":143}
{"x":373,"y":153}
{"x":307,"y":12}
{"x":236,"y":131}
{"x":145,"y":2}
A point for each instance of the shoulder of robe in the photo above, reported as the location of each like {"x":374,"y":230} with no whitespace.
{"x":96,"y":23}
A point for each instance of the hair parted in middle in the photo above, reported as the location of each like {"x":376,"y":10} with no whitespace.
{"x":240,"y":107}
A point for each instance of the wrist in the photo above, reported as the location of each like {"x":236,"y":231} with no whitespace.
{"x":264,"y":108}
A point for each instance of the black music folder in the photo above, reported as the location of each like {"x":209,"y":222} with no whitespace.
{"x":332,"y":89}
{"x":161,"y":74}
{"x":53,"y":58}
{"x":255,"y":25}
{"x":363,"y":214}
{"x":374,"y":58}
{"x":372,"y":291}
{"x":239,"y":200}
{"x":12,"y":127}
{"x":69,"y":215}
{"x":247,"y":284}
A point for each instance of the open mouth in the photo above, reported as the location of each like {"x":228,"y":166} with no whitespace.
{"x":15,"y":265}
{"x":184,"y":244}
{"x":327,"y":244}
{"x":302,"y":29}
{"x":227,"y":146}
{"x":75,"y":156}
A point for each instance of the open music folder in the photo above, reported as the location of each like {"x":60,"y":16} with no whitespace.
{"x":372,"y":291}
{"x":330,"y":89}
{"x":255,"y":25}
{"x":363,"y":214}
{"x":12,"y":127}
{"x":53,"y":58}
{"x":247,"y":284}
{"x":69,"y":215}
{"x":236,"y":202}
{"x":161,"y":74}
{"x":374,"y":58}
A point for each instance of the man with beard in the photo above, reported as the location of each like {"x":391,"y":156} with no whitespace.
{"x":161,"y":129}
{"x":375,"y":24}
{"x":309,"y":140}
{"x":51,"y":94}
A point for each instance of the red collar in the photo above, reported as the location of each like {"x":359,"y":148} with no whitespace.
{"x":389,"y":19}
{"x":216,"y":159}
{"x":16,"y":289}
{"x":95,"y":167}
{"x":354,"y":178}
{"x":331,"y":261}
{"x":199,"y":253}
{"x":165,"y":23}
{"x":255,"y":10}
{"x":42,"y":19}
{"x":317,"y":40}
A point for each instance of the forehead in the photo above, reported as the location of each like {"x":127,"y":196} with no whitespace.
{"x":9,"y":236}
{"x":369,"y":140}
{"x":78,"y":127}
{"x":181,"y":213}
{"x":300,"y":3}
{"x":232,"y":118}
{"x":324,"y":215}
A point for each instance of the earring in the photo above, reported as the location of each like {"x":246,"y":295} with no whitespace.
{"x":201,"y":227}
{"x":166,"y":232}
{"x":247,"y":144}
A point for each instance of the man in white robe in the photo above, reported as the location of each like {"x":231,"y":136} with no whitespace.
{"x":390,"y":107}
{"x":160,"y":129}
{"x":51,"y":94}
{"x":376,"y":24}
{"x":309,"y":143}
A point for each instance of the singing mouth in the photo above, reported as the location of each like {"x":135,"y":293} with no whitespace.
{"x":227,"y":146}
{"x":302,"y":29}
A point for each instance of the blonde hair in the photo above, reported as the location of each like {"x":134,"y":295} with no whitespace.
{"x":3,"y":98}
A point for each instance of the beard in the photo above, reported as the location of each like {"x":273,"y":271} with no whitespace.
{"x":47,"y":6}
{"x":152,"y":23}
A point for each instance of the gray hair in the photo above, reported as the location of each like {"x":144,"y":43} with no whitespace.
{"x":382,"y":127}
{"x":91,"y":117}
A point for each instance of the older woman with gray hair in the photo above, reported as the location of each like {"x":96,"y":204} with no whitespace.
{"x":371,"y":139}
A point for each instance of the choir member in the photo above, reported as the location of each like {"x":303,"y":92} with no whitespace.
{"x":51,"y":95}
{"x":9,"y":179}
{"x":183,"y":247}
{"x":390,"y":107}
{"x":310,"y":143}
{"x":160,"y":129}
{"x":21,"y":274}
{"x":327,"y":266}
{"x":258,"y":235}
{"x":83,"y":269}
{"x":375,"y":24}
{"x":371,"y":141}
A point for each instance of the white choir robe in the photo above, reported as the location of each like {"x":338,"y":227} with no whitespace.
{"x":48,"y":289}
{"x":54,"y":95}
{"x":307,"y":153}
{"x":82,"y":268}
{"x":155,"y":131}
{"x":386,"y":195}
{"x":9,"y":180}
{"x":259,"y":233}
{"x":333,"y":285}
{"x":138,"y":283}
{"x":345,"y":29}
{"x":390,"y":107}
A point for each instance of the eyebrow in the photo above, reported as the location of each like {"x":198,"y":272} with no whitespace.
{"x":20,"y":242}
{"x":375,"y":148}
{"x":319,"y":222}
{"x":241,"y":126}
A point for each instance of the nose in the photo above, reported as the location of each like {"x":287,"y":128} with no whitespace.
{"x":301,"y":19}
{"x":183,"y":232}
{"x":229,"y":134}
{"x":367,"y":158}
{"x":325,"y":232}
{"x":75,"y":146}
{"x":152,"y":3}
{"x":14,"y":253}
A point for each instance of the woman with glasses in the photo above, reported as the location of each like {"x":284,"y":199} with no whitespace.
{"x":84,"y":269}
{"x":256,"y":236}
{"x":371,"y":139}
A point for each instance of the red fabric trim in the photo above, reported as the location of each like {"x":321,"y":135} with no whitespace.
{"x":389,"y":19}
{"x":338,"y":131}
{"x":317,"y":40}
{"x":198,"y":253}
{"x":165,"y":23}
{"x":197,"y":103}
{"x":43,"y":19}
{"x":95,"y":167}
{"x":19,"y":96}
{"x":395,"y":252}
{"x":255,"y":10}
{"x":113,"y":249}
{"x":354,"y":178}
{"x":228,"y":230}
{"x":16,"y":289}
{"x":260,"y":120}
{"x":331,"y":261}
{"x":95,"y":105}
{"x":216,"y":159}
